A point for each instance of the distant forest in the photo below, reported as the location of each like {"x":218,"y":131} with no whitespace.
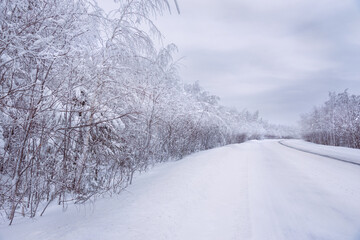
{"x":336,"y":122}
{"x":87,"y":100}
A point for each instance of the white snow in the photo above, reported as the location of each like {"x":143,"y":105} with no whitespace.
{"x":258,"y":190}
{"x":343,"y":153}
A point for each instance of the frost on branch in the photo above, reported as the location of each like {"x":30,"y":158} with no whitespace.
{"x":336,"y":122}
{"x":86,"y":100}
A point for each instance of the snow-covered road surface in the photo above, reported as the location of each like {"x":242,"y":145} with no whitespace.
{"x":349,"y":155}
{"x":257,"y":190}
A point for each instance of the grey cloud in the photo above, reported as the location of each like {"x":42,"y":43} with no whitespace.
{"x":280,"y":57}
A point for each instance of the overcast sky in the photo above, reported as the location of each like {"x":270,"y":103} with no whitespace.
{"x":280,"y":57}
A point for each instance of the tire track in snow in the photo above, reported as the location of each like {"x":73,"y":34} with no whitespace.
{"x":322,"y":155}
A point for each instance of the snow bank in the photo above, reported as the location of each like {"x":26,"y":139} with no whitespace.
{"x":339,"y":153}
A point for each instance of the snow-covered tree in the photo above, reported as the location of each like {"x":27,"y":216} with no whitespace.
{"x":335,"y":123}
{"x":87,"y":100}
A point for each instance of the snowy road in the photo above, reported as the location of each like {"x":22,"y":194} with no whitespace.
{"x":258,"y":190}
{"x":297,"y":195}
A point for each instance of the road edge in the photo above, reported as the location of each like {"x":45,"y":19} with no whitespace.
{"x":319,"y":154}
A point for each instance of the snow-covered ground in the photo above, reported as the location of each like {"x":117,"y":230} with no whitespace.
{"x":341,"y":153}
{"x":258,"y":190}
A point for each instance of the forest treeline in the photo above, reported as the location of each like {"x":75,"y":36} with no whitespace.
{"x":336,"y":122}
{"x":87,"y":100}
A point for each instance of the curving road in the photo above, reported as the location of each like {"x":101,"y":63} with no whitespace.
{"x":298,"y":195}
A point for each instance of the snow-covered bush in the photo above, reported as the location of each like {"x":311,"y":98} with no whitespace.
{"x":335,"y":123}
{"x":86,"y":100}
